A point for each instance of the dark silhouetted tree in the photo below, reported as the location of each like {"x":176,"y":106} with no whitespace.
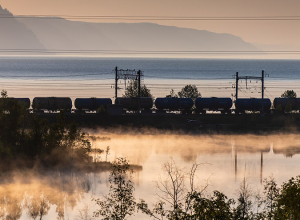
{"x":288,"y":202}
{"x":119,"y":203}
{"x":172,"y":94}
{"x":132,"y":90}
{"x":289,"y":94}
{"x":244,"y":202}
{"x":189,"y":91}
{"x":13,"y":117}
{"x":174,"y":193}
{"x":215,"y":207}
{"x":271,"y":192}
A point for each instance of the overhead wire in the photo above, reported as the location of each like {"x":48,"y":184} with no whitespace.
{"x":155,"y":18}
{"x":148,"y":52}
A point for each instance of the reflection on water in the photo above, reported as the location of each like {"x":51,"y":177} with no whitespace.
{"x":30,"y":195}
{"x":226,"y":161}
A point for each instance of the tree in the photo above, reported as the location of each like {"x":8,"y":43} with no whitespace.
{"x":189,"y":91}
{"x":61,"y":143}
{"x":172,"y":94}
{"x":13,"y":117}
{"x":244,"y":203}
{"x":271,"y":192}
{"x":288,"y":202}
{"x":289,"y":94}
{"x":174,"y":193}
{"x":120,"y":202}
{"x":132,"y":90}
{"x":215,"y":207}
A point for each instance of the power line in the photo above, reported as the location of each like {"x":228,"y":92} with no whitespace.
{"x":149,"y":52}
{"x":155,"y":18}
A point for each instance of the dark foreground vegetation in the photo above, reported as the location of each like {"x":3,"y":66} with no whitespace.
{"x":178,"y":201}
{"x":208,"y":123}
{"x":32,"y":142}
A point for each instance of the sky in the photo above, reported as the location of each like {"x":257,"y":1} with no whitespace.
{"x":283,"y":33}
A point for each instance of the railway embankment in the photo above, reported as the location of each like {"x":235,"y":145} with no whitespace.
{"x":195,"y":124}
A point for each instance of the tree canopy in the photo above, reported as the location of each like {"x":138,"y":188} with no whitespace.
{"x":57,"y":144}
{"x":132,"y":90}
{"x":172,"y":94}
{"x":289,"y":94}
{"x":189,"y":91}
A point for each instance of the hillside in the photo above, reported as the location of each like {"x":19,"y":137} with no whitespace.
{"x":60,"y":34}
{"x":64,"y":34}
{"x":15,"y":34}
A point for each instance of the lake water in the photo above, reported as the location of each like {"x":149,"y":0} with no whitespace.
{"x":94,"y":77}
{"x":225,"y":162}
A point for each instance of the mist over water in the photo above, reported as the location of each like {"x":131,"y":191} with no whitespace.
{"x":225,"y":161}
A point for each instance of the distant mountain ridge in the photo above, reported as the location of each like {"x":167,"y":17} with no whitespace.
{"x":15,"y":35}
{"x":61,"y":34}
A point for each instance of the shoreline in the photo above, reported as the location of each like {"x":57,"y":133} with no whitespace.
{"x":186,"y":124}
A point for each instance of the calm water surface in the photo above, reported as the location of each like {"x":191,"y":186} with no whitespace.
{"x":225,"y":160}
{"x":94,"y":77}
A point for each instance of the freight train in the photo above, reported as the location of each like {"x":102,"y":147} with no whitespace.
{"x":161,"y":105}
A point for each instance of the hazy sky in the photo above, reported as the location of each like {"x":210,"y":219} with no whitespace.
{"x":265,"y":32}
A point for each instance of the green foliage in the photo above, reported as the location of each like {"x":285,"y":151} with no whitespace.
{"x":271,"y":192}
{"x":288,"y":206}
{"x":244,"y":203}
{"x":215,"y":207}
{"x":65,"y":144}
{"x":132,"y":90}
{"x":288,"y":108}
{"x":61,"y":143}
{"x":3,"y":94}
{"x":277,"y":204}
{"x":189,"y":91}
{"x":278,"y":109}
{"x":172,"y":94}
{"x":120,"y":202}
{"x":289,"y":94}
{"x":13,"y":117}
{"x":102,"y":110}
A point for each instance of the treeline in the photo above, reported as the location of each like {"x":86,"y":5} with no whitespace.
{"x":28,"y":143}
{"x":178,"y":201}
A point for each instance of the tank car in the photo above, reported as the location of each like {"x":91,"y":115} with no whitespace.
{"x":213,"y":104}
{"x":286,"y":104}
{"x":131,"y":104}
{"x":252,"y":104}
{"x":91,"y":104}
{"x":52,"y":104}
{"x":174,"y":104}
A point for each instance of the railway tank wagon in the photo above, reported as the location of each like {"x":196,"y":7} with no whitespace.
{"x":174,"y":104}
{"x":51,"y":104}
{"x":252,"y":104}
{"x":91,"y":104}
{"x":286,"y":104}
{"x":213,"y":104}
{"x":131,"y":104}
